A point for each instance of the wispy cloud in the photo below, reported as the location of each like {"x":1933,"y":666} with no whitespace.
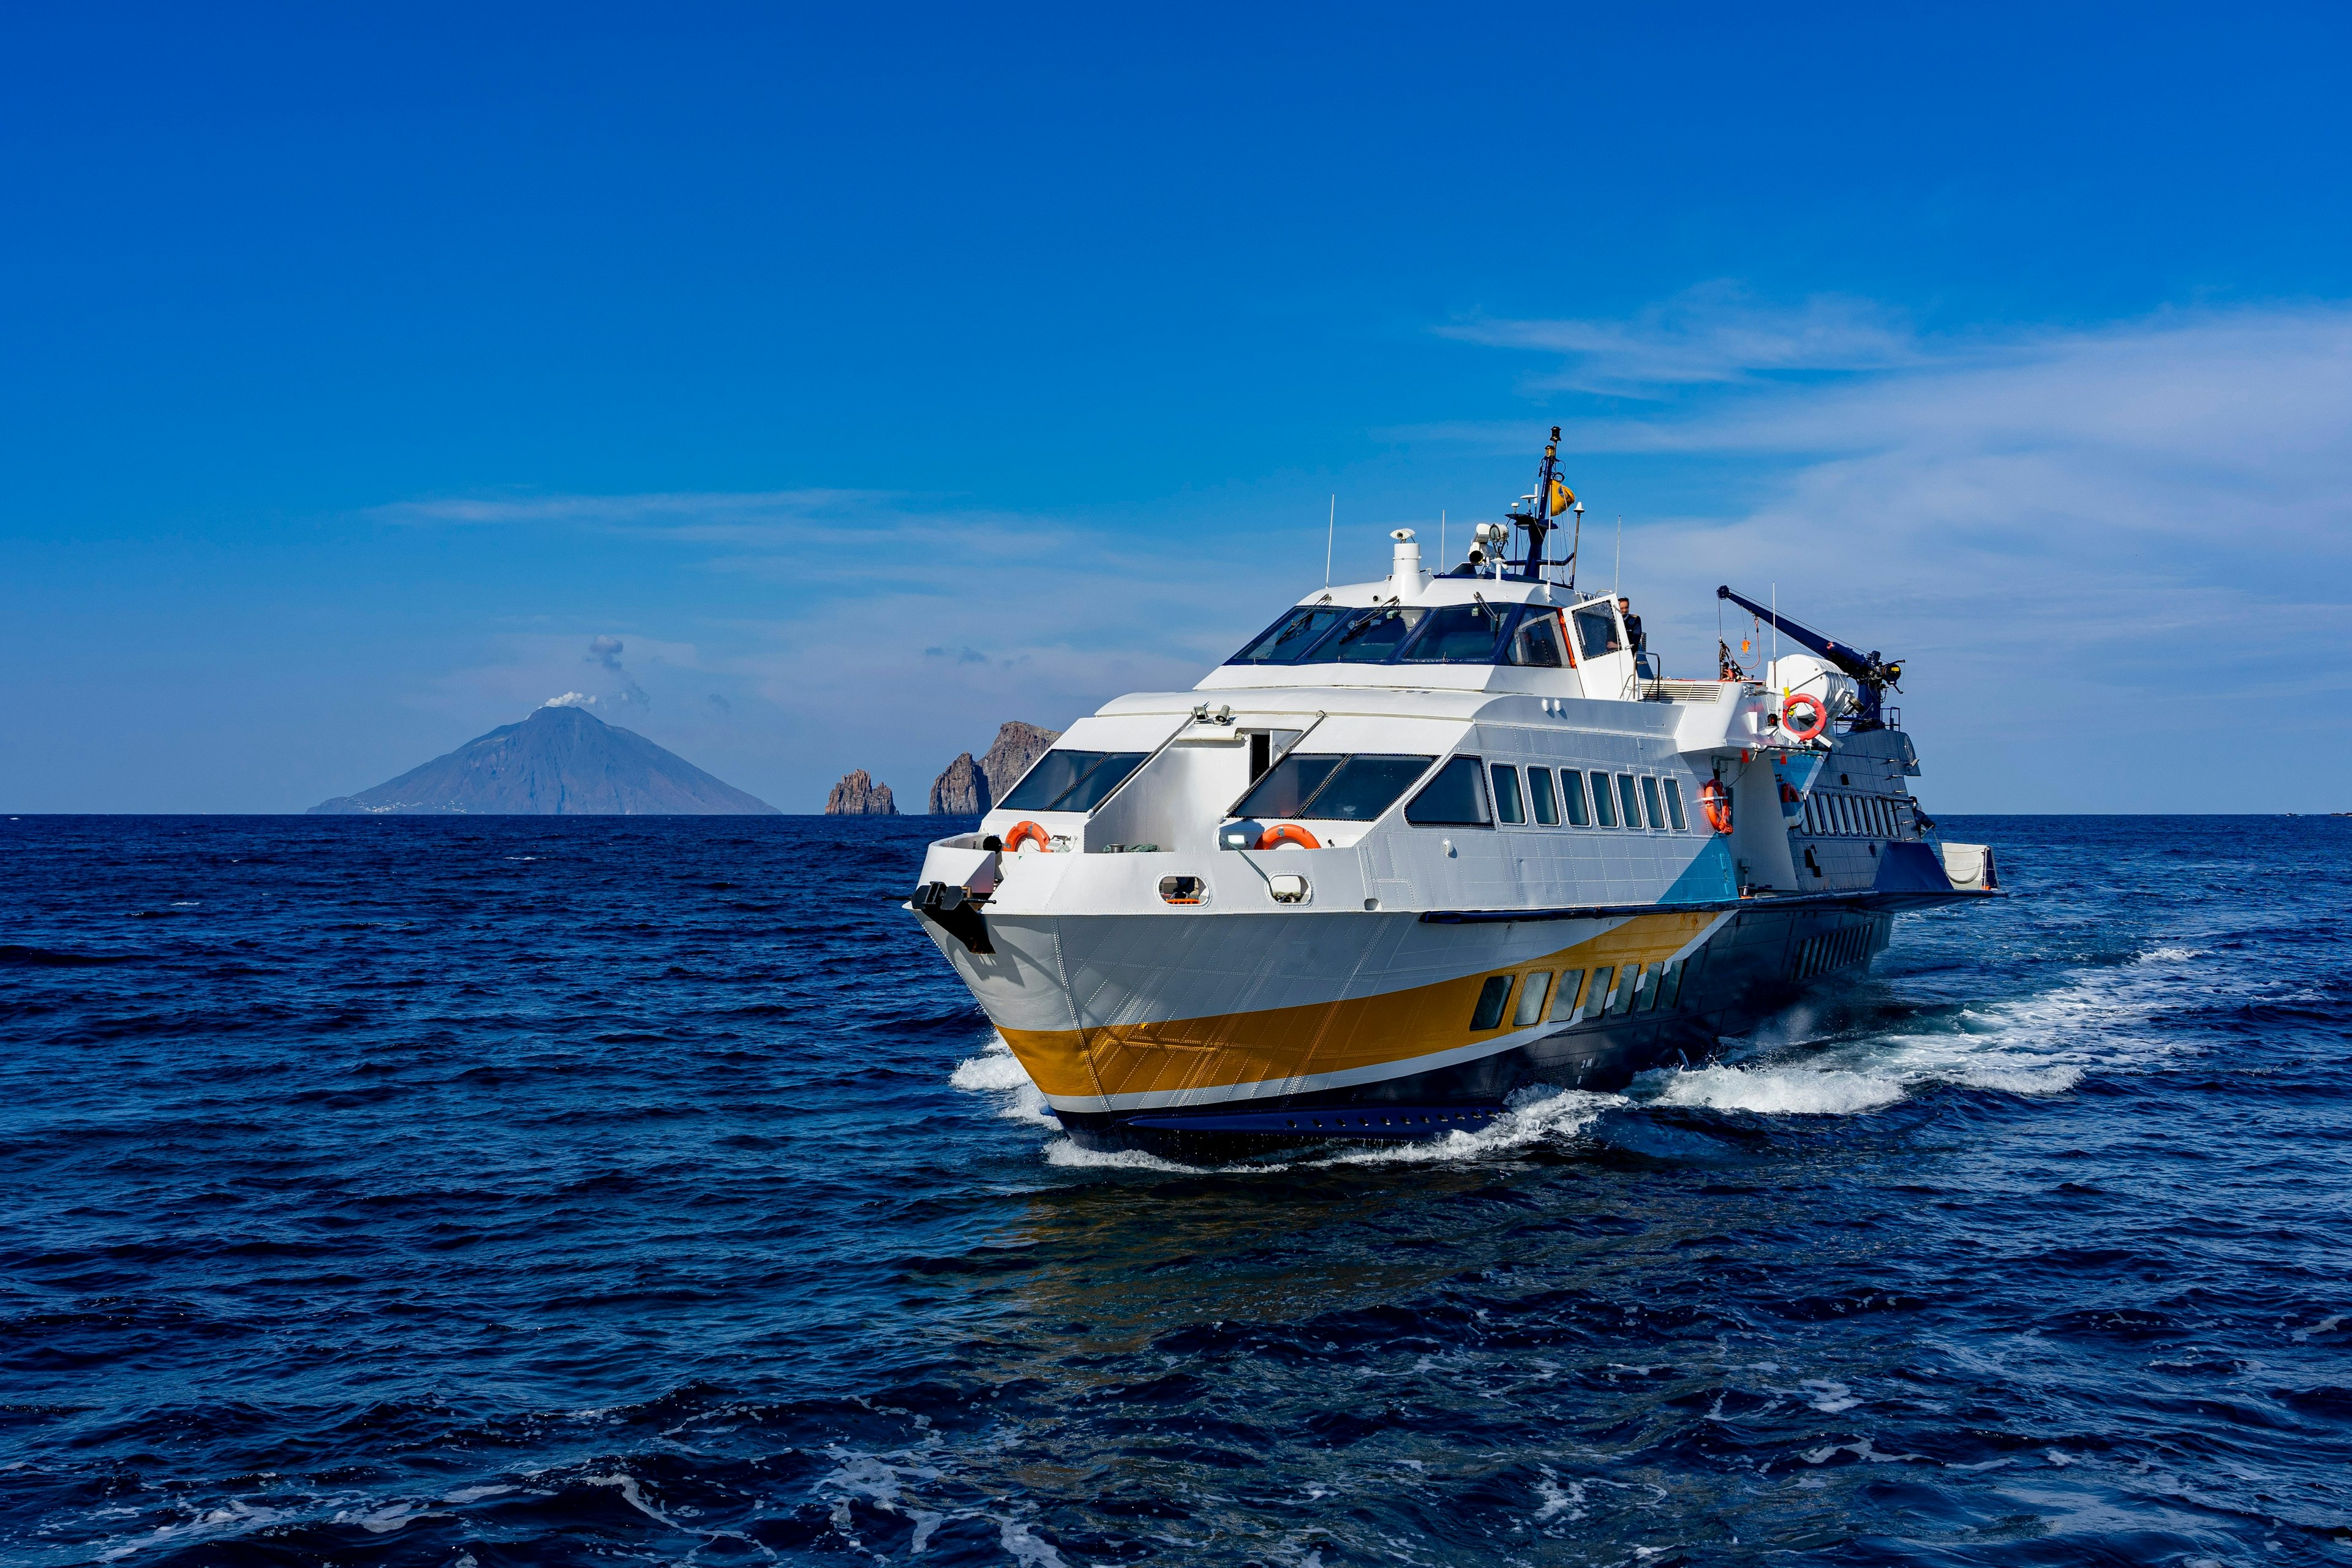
{"x":1708,"y":336}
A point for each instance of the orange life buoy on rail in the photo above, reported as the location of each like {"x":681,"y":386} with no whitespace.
{"x":1022,"y":832}
{"x":1715,"y":801}
{"x":1820,"y":720}
{"x":1283,"y":833}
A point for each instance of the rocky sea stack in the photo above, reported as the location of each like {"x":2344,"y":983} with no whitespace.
{"x":968,"y":788}
{"x":560,"y":761}
{"x":859,"y":795}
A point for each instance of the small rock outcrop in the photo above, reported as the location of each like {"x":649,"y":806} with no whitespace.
{"x":859,"y":795}
{"x":1017,"y":745}
{"x":961,"y":791}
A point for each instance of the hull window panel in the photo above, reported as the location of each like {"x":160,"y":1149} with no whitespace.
{"x":1291,"y":638}
{"x":1628,"y":979}
{"x":1596,"y":995}
{"x":1488,"y":1014}
{"x":1629,"y":800}
{"x":1670,"y":989}
{"x":1456,"y":797}
{"x":1813,"y":818}
{"x":1645,"y":995}
{"x":1508,"y":809}
{"x":1650,"y":801}
{"x":1294,"y":781}
{"x":1604,"y":800}
{"x":1571,"y":786}
{"x":1565,"y":996}
{"x":1071,"y":781}
{"x":1541,"y":796}
{"x":1845,"y":816}
{"x":1673,"y":788}
{"x":1457,"y":634}
{"x":1533,"y":990}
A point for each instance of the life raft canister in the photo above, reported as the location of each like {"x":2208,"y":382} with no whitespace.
{"x":1820,"y":720}
{"x":1282,"y":833}
{"x":1022,"y":832}
{"x":1714,"y":802}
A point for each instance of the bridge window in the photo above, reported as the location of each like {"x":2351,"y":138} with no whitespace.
{"x":1289,"y":639}
{"x":1458,"y":633}
{"x":1536,"y":642}
{"x":1596,"y":633}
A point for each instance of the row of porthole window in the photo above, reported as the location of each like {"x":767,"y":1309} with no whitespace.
{"x":1634,"y":801}
{"x":1575,"y":993}
{"x":1828,"y":812}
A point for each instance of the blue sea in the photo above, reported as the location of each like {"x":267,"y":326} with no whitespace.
{"x":541,"y":1191}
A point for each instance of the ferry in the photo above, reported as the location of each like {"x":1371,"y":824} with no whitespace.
{"x":1427,"y":841}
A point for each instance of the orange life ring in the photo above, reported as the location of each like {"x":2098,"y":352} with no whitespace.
{"x":1025,"y":831}
{"x":1282,"y":833}
{"x":1715,"y":801}
{"x":1820,"y":716}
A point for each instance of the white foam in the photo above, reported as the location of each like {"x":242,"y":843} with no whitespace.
{"x":2096,"y":1019}
{"x":1534,"y":1116}
{"x":998,"y":1073}
{"x":1782,"y":1091}
{"x":1063,"y":1151}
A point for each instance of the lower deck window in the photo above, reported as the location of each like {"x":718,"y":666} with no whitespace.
{"x":1675,"y":805}
{"x":1533,"y":990}
{"x":1633,"y":802}
{"x":1509,"y":809}
{"x":1565,"y":996}
{"x":1604,"y":800}
{"x":1488,"y":1014}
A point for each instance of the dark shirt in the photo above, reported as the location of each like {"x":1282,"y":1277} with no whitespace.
{"x":1633,"y":633}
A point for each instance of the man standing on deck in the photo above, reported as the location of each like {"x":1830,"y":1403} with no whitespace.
{"x":1632,"y":625}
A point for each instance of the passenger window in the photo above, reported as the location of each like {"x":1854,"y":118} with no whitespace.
{"x":1596,"y":995}
{"x":1364,"y":787}
{"x":1812,"y":821}
{"x":1507,"y":808}
{"x":1563,"y":1000}
{"x":1454,"y":799}
{"x":1071,"y":781}
{"x":1632,"y":802}
{"x":1293,"y":781}
{"x":1572,"y":785}
{"x":1650,"y":801}
{"x":1675,"y":805}
{"x":1536,"y":642}
{"x":1488,"y":1014}
{"x":1540,"y":796}
{"x":1670,"y":987}
{"x":1604,"y":800}
{"x":1627,"y":978}
{"x":1532,"y":992}
{"x":1289,"y":638}
{"x":1596,"y":634}
{"x":1457,"y":634}
{"x":1645,"y":993}
{"x":1845,"y":814}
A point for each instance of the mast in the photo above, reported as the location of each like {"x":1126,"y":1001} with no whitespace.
{"x":1536,"y":519}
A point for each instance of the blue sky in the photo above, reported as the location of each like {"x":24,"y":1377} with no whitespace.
{"x":873,"y":378}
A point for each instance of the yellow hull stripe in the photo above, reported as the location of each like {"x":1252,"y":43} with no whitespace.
{"x":1235,"y":1049}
